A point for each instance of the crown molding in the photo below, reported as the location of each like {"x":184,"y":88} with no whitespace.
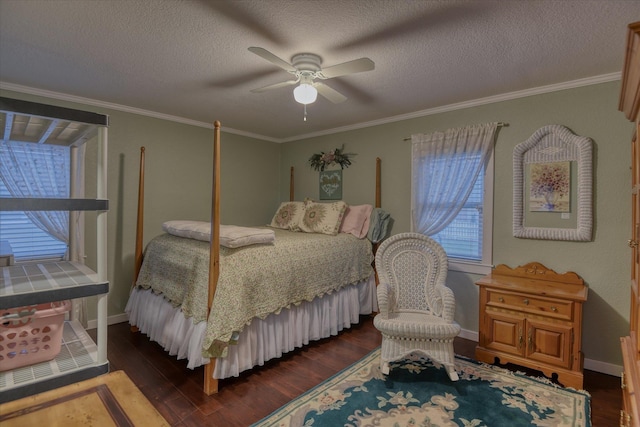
{"x":124,"y":108}
{"x":605,"y":78}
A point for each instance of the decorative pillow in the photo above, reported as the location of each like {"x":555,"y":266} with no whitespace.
{"x":231,"y":236}
{"x":356,"y":220}
{"x":323,"y":218}
{"x":288,"y":216}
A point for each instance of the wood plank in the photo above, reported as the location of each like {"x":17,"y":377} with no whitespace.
{"x":111,"y":399}
{"x":255,"y":394}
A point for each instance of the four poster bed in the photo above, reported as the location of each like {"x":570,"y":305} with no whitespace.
{"x":276,"y":288}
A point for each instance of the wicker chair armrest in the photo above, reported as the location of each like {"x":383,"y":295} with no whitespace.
{"x":385,"y":299}
{"x":448,"y":303}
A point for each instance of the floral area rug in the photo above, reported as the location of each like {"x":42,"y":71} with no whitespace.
{"x":418,"y":392}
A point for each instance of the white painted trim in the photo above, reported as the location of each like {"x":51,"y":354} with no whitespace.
{"x":605,"y":78}
{"x":469,"y":267}
{"x":603,"y":367}
{"x":437,"y":110}
{"x":590,"y":364}
{"x":126,"y":109}
{"x":469,"y":335}
{"x":111,"y":320}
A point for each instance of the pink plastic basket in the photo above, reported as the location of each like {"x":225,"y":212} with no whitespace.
{"x":31,"y":334}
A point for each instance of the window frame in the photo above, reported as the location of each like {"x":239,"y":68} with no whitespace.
{"x":33,"y":233}
{"x":485,"y":265}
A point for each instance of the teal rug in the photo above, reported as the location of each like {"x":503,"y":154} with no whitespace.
{"x":418,"y":392}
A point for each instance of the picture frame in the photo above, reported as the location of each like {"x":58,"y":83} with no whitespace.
{"x":549,"y":187}
{"x":549,"y":145}
{"x":330,"y":184}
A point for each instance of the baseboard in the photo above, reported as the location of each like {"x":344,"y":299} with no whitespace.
{"x":603,"y":367}
{"x":111,"y":320}
{"x":590,"y":364}
{"x":469,"y":335}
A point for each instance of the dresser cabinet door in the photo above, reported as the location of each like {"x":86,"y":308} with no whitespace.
{"x":504,"y":332}
{"x":549,"y":343}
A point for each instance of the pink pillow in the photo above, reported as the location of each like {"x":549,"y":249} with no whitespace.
{"x":356,"y":220}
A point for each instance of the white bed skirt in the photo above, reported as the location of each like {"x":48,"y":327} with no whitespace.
{"x":260,"y":341}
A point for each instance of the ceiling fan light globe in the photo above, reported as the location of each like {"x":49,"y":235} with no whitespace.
{"x":305,"y":94}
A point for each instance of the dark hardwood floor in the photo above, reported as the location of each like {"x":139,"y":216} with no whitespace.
{"x":177,"y":391}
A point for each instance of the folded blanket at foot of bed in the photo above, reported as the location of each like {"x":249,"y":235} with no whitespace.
{"x":231,"y":236}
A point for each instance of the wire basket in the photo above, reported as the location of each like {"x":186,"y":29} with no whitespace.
{"x":31,"y":334}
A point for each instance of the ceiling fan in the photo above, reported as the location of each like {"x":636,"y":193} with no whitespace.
{"x":307,"y":68}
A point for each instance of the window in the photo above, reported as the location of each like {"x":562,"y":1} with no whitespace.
{"x":468,"y":238}
{"x":452,"y":193}
{"x":29,"y":241}
{"x":462,"y":238}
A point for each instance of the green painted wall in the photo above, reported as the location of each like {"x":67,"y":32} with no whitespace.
{"x":255,"y":178}
{"x":603,"y":263}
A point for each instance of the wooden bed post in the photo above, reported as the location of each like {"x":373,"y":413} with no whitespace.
{"x":210,"y":383}
{"x":139,"y":222}
{"x":378,"y":181}
{"x":139,"y":227}
{"x":291,"y":195}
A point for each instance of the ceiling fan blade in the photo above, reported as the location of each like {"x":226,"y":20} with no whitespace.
{"x":275,"y":86}
{"x":355,"y":66}
{"x":242,"y":15}
{"x":263,"y":53}
{"x":329,"y":93}
{"x":239,"y":79}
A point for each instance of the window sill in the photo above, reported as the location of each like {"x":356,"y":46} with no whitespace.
{"x":469,"y":267}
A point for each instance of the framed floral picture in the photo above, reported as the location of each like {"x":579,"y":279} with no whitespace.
{"x":553,"y":186}
{"x":331,"y":185}
{"x":550,"y":187}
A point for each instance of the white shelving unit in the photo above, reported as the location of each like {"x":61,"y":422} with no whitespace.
{"x":24,"y":284}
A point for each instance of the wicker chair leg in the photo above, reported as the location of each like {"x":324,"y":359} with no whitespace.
{"x":451,"y":371}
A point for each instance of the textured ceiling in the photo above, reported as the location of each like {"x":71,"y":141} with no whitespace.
{"x":189,"y":59}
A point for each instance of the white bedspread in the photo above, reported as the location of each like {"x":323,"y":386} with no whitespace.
{"x":263,"y":339}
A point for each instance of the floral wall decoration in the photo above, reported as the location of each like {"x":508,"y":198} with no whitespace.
{"x":553,"y":186}
{"x":322,"y":160}
{"x":550,"y":187}
{"x":331,"y":185}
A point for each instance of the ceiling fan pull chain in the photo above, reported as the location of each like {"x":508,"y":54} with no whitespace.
{"x":305,"y":112}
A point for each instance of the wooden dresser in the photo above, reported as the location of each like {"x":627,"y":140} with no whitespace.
{"x":532,"y":316}
{"x":630,"y":104}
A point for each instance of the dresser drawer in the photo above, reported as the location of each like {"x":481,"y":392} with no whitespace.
{"x":525,"y":303}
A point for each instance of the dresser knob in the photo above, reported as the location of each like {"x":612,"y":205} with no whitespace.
{"x":501,"y":299}
{"x":526,"y":301}
{"x":553,"y":308}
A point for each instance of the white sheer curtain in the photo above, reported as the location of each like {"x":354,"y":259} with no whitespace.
{"x":34,"y":170}
{"x":76,"y":242}
{"x":43,"y":171}
{"x":445,"y":165}
{"x":79,"y":310}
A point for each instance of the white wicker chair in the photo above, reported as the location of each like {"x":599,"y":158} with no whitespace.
{"x":416,"y":307}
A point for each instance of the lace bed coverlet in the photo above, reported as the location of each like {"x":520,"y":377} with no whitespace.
{"x":254,"y":281}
